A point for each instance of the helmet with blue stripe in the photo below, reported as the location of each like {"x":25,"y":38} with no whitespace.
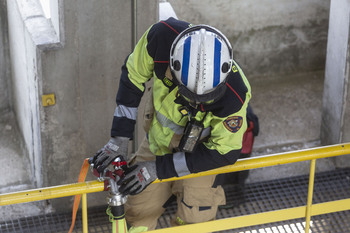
{"x":200,"y":60}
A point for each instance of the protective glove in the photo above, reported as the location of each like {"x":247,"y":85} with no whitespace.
{"x":137,"y":178}
{"x":115,"y":147}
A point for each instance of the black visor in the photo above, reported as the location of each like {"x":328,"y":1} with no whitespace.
{"x":208,"y":98}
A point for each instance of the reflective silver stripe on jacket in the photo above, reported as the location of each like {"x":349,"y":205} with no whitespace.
{"x":180,"y":164}
{"x":128,"y":112}
{"x":165,"y":122}
{"x":206,"y":132}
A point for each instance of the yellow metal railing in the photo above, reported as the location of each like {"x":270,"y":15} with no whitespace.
{"x":221,"y":224}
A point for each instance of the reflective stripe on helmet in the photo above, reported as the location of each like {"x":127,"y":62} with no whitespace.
{"x":186,"y":60}
{"x":217,"y":62}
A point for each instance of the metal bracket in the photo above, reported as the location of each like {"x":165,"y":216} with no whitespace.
{"x":48,"y":100}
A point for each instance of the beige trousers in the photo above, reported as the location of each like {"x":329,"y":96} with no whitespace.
{"x":197,"y":200}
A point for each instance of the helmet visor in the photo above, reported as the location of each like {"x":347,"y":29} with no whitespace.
{"x":207,"y":98}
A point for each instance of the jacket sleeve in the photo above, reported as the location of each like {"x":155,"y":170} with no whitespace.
{"x":136,"y":71}
{"x":149,"y":58}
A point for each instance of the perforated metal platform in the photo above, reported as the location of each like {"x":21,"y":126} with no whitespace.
{"x":253,"y":198}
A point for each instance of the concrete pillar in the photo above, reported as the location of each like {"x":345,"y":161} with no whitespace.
{"x":4,"y":59}
{"x":336,"y":108}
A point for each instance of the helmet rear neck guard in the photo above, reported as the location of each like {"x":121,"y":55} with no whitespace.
{"x":200,"y":60}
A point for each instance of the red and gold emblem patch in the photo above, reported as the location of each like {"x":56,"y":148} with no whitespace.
{"x":233,"y":124}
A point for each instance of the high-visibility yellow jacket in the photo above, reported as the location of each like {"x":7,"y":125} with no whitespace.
{"x":224,"y":121}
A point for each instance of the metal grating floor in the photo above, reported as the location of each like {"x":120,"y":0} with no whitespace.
{"x":253,"y":198}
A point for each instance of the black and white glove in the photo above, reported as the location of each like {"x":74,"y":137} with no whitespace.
{"x":137,"y":178}
{"x":116,"y":146}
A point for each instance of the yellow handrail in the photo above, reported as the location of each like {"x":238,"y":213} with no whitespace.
{"x":259,"y":218}
{"x":240,"y":165}
{"x":84,"y":212}
{"x":310,"y":195}
{"x":222,"y":224}
{"x":274,"y":159}
{"x":51,"y":192}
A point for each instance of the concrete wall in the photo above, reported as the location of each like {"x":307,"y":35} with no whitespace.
{"x":268,"y":37}
{"x":81,"y":67}
{"x":336,"y":109}
{"x":337,"y":74}
{"x":16,"y":166}
{"x":25,"y":79}
{"x":85,"y":82}
{"x":4,"y":59}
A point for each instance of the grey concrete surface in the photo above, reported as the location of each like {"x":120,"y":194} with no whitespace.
{"x":335,"y":127}
{"x":337,"y":74}
{"x":4,"y":59}
{"x":268,"y":37}
{"x":16,"y":172}
{"x":24,"y":80}
{"x":289,"y":108}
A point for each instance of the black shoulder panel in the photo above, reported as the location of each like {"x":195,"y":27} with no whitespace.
{"x":233,"y":99}
{"x":160,"y":38}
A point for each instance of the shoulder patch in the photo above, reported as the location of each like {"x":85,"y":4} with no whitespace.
{"x":233,"y":124}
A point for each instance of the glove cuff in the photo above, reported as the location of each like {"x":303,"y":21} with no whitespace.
{"x":151,"y":170}
{"x":119,"y":140}
{"x":111,"y":146}
{"x":120,"y":144}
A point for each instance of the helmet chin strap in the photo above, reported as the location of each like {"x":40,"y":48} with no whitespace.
{"x":194,"y":105}
{"x":191,"y":107}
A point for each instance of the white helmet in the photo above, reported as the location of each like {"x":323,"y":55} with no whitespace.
{"x":200,"y":60}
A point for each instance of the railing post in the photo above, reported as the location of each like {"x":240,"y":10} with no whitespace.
{"x":84,"y":212}
{"x":309,"y":195}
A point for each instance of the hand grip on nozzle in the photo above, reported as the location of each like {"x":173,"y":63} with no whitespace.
{"x":104,"y":170}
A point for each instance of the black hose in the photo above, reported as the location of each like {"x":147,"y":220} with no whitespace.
{"x":118,"y":212}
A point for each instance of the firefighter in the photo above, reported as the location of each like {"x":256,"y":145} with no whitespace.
{"x":194,"y":121}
